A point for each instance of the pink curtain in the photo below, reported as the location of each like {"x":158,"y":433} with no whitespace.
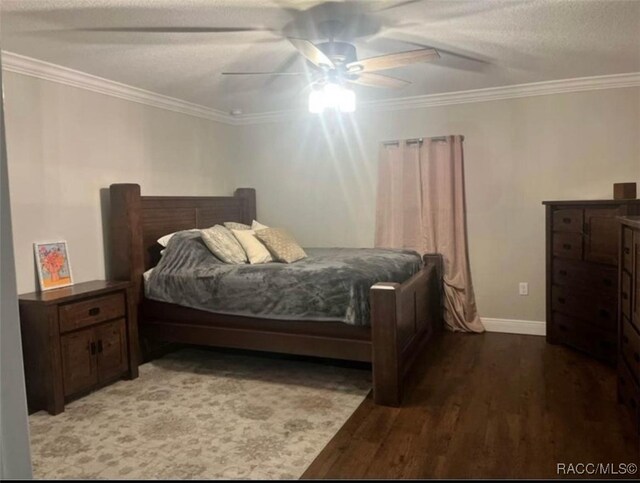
{"x":421,"y":206}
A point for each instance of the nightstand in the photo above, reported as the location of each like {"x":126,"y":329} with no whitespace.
{"x":77,"y":339}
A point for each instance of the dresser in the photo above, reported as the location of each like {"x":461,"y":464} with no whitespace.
{"x":582,"y":274}
{"x":629,"y":318}
{"x":77,"y":339}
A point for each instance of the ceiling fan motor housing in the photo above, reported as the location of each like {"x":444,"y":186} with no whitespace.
{"x":341,"y":53}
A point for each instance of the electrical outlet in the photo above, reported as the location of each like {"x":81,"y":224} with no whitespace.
{"x":524,"y":288}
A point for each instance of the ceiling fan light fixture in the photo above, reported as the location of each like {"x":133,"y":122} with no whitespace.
{"x":332,"y":96}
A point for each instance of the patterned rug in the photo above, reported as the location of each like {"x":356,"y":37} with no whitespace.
{"x":201,"y":414}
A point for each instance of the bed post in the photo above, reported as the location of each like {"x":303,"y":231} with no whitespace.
{"x":127,"y":253}
{"x":385,"y":357}
{"x":248,"y":195}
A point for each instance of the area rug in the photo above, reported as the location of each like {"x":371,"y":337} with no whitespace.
{"x":201,"y":414}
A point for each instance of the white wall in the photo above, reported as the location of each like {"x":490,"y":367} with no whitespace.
{"x":65,"y":144}
{"x":319,"y":178}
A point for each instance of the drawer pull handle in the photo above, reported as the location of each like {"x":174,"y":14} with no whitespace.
{"x":604,"y":313}
{"x":566,"y":246}
{"x":623,"y":382}
{"x":625,"y":339}
{"x":93,"y":348}
{"x":632,"y":402}
{"x":563,"y":328}
{"x":625,"y":295}
{"x":100,"y":345}
{"x":607,"y":282}
{"x":561,"y":300}
{"x":636,"y":357}
{"x":94,"y":311}
{"x":627,"y":251}
{"x":566,"y":220}
{"x":563,"y":272}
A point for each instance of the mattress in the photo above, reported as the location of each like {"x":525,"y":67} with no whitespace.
{"x":331,"y":284}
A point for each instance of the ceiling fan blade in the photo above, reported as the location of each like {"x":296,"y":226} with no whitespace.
{"x":263,"y":73}
{"x":392,"y":61}
{"x":378,"y":80}
{"x":397,"y":5}
{"x":312,"y":53}
{"x":179,"y":30}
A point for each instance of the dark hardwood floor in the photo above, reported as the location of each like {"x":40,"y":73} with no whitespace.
{"x":487,"y":406}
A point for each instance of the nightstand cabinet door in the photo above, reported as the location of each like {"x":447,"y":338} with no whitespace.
{"x":111,"y":339}
{"x":79,"y":368}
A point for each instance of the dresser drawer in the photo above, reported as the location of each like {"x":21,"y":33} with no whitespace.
{"x":625,"y":295}
{"x":599,"y":311}
{"x":630,"y":341}
{"x":629,"y":393}
{"x":567,"y":245}
{"x":585,"y":276}
{"x":568,"y":220}
{"x":90,"y":311}
{"x":585,"y":337}
{"x":627,"y":249}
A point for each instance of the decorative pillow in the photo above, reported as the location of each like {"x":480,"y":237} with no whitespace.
{"x":282,"y":246}
{"x":221,"y":242}
{"x":255,"y":250}
{"x":164,"y":240}
{"x":257,"y":226}
{"x":232,"y":225}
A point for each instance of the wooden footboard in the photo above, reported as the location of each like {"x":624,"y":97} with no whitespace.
{"x":403,"y":318}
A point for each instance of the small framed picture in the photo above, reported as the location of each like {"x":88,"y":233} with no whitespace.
{"x":52,"y":262}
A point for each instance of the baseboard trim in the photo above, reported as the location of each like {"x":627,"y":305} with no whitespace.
{"x":513,"y":326}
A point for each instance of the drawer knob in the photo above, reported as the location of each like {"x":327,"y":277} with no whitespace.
{"x":563,"y":272}
{"x":94,"y":311}
{"x":604,"y":313}
{"x":100,"y":345}
{"x":566,"y":246}
{"x":607,"y":282}
{"x":93,"y":348}
{"x":625,"y":339}
{"x":566,"y":220}
{"x":561,"y":300}
{"x":636,"y":357}
{"x":625,"y":295}
{"x":627,"y":251}
{"x":563,"y":327}
{"x":632,"y":402}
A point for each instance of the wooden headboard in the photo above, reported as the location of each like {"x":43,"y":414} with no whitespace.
{"x":138,"y":221}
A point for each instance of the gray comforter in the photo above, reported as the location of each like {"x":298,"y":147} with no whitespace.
{"x":331,"y":284}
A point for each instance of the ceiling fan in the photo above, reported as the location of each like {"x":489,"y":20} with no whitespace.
{"x":333,"y":64}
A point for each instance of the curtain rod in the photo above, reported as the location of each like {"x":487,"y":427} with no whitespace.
{"x":417,"y":140}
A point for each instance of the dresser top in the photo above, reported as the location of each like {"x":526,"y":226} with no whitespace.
{"x":73,"y":292}
{"x":632,"y":221}
{"x":593,"y":202}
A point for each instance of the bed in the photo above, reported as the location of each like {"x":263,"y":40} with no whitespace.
{"x":400,"y":313}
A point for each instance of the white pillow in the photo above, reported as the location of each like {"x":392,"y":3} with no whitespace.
{"x":164,"y":240}
{"x":257,"y":226}
{"x":255,"y":250}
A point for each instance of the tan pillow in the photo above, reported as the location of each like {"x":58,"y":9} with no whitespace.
{"x":282,"y":246}
{"x":255,"y":250}
{"x":221,"y":242}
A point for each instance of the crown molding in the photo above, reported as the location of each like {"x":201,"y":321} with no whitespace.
{"x":21,"y":64}
{"x":24,"y":65}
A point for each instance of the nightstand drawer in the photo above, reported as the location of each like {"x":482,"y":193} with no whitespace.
{"x":87,"y":312}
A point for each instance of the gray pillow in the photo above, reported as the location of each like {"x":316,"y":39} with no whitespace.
{"x":221,"y":242}
{"x":232,"y":225}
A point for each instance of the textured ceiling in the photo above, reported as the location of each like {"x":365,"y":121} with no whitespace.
{"x":482,"y":43}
